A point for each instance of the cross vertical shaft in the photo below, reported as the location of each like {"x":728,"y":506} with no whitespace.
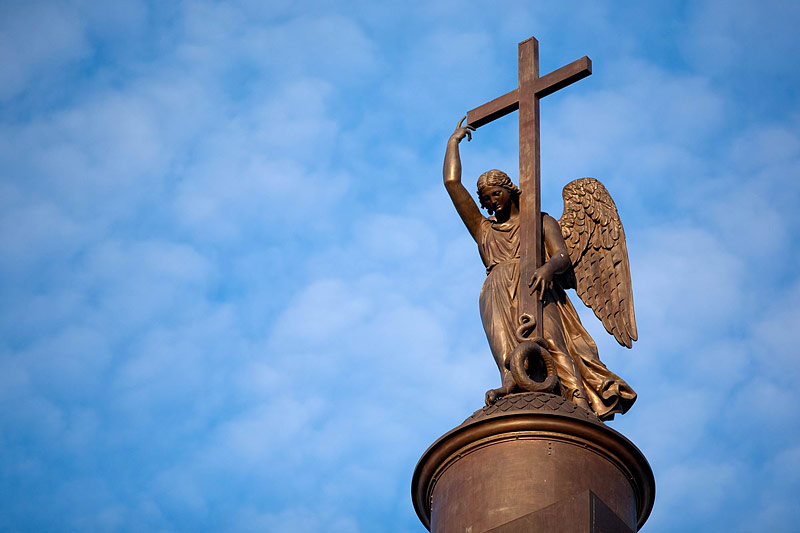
{"x":525,"y":98}
{"x":530,"y":219}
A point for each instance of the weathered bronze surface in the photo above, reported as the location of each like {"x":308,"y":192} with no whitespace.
{"x":534,"y":332}
{"x":582,"y":513}
{"x":530,"y":460}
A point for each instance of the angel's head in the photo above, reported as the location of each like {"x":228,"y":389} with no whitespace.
{"x":496,"y":191}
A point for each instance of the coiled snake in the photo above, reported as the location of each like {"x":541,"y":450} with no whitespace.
{"x":520,"y":357}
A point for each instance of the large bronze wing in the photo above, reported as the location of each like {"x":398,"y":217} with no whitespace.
{"x":596,"y":244}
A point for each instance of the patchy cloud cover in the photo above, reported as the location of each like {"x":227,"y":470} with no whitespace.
{"x":234,"y":295}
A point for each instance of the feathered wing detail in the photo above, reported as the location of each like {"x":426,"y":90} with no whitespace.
{"x":596,"y":244}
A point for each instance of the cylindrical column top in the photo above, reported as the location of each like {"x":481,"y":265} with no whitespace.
{"x":543,"y":435}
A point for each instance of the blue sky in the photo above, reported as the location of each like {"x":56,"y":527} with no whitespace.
{"x":235,"y":297}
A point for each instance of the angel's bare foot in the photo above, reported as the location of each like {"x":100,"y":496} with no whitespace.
{"x":581,"y":401}
{"x":493,"y":395}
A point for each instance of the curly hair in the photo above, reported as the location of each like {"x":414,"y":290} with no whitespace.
{"x":496,"y":178}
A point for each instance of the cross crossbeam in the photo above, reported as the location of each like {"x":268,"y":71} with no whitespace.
{"x":546,"y":85}
{"x":525,"y":98}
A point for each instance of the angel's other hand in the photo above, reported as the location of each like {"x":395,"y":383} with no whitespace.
{"x":540,"y":280}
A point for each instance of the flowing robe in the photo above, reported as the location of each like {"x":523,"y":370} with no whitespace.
{"x":580,"y":371}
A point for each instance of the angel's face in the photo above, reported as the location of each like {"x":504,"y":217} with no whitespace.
{"x":496,"y":199}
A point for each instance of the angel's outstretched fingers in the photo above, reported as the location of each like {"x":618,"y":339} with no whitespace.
{"x":462,"y":121}
{"x":534,"y":285}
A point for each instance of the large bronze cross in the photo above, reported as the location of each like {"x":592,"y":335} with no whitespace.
{"x":526,"y":99}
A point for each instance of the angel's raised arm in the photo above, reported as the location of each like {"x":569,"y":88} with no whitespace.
{"x":467,"y":209}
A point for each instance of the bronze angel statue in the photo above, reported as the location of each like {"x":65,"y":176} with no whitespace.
{"x":585,"y":250}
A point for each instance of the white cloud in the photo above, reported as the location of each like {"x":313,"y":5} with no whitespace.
{"x":35,"y":38}
{"x":729,"y":37}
